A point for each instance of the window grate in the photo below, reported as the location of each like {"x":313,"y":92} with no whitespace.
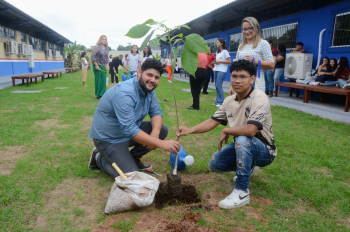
{"x":235,"y":41}
{"x":212,"y":44}
{"x":163,"y":53}
{"x":339,"y":31}
{"x":285,"y":34}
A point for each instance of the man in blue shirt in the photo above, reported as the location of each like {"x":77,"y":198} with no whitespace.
{"x":118,"y":123}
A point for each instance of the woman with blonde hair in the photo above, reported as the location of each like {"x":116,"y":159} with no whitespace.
{"x":84,"y":67}
{"x":256,"y":50}
{"x":99,"y":58}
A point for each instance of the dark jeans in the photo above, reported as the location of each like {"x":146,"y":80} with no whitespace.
{"x":120,"y":154}
{"x":240,"y":156}
{"x":196,"y":85}
{"x":211,"y":74}
{"x":114,"y":76}
{"x":206,"y":81}
{"x":269,"y":83}
{"x":325,"y":78}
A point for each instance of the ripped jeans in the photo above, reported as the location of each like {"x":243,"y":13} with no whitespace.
{"x":241,"y":156}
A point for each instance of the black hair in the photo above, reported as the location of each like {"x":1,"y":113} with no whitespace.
{"x":137,"y":48}
{"x":83,"y":54}
{"x":121,"y":55}
{"x":210,"y":50}
{"x":282,"y":47}
{"x":126,"y":55}
{"x":270,"y":41}
{"x":343,"y":63}
{"x":328,"y":65}
{"x":149,"y":51}
{"x":152,"y":63}
{"x":301,"y":44}
{"x":224,"y":47}
{"x":335,"y":64}
{"x":243,"y":65}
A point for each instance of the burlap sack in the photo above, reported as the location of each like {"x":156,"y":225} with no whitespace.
{"x":136,"y":192}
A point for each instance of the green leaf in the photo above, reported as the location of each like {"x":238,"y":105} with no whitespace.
{"x":138,"y":31}
{"x":145,"y":42}
{"x":175,"y":55}
{"x":149,"y":21}
{"x":163,"y":38}
{"x":196,"y":43}
{"x":189,"y":60}
{"x":180,"y":35}
{"x":177,"y":41}
{"x":155,"y":43}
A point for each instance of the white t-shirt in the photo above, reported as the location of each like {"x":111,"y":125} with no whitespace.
{"x":82,"y":64}
{"x":222,"y":56}
{"x":145,"y":58}
{"x":124,"y":62}
{"x":134,"y":61}
{"x":261,"y":52}
{"x":110,"y":60}
{"x":168,"y":62}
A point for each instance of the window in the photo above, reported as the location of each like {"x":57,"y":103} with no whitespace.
{"x":212,"y":44}
{"x":42,"y":46}
{"x":235,"y":41}
{"x":164,"y":52}
{"x":23,"y":38}
{"x":3,"y":32}
{"x":57,"y":48}
{"x":286,"y":34}
{"x":33,"y":42}
{"x":341,"y":33}
{"x":50,"y":45}
{"x":12,"y":34}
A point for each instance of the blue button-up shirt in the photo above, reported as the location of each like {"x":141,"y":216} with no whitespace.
{"x":119,"y":113}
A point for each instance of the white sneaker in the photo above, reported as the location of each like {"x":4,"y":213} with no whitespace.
{"x":346,"y":86}
{"x":337,"y":85}
{"x":299,"y":81}
{"x":314,"y":83}
{"x":236,"y":199}
{"x":169,"y":81}
{"x":217,"y":105}
{"x":254,"y":170}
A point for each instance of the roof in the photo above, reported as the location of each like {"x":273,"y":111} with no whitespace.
{"x":15,"y":19}
{"x":230,"y":15}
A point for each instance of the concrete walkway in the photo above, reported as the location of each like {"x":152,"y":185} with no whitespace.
{"x":6,"y":81}
{"x":330,"y":111}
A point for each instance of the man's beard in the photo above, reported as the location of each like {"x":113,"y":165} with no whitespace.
{"x":143,"y":86}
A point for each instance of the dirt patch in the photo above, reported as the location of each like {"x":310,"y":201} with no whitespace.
{"x":50,"y":123}
{"x":189,"y":195}
{"x":111,"y":85}
{"x":9,"y":156}
{"x":6,"y":111}
{"x":75,"y":203}
{"x":324,"y":171}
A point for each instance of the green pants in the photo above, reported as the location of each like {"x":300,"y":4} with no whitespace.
{"x":100,"y":81}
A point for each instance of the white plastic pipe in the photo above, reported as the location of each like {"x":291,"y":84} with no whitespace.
{"x":319,"y":51}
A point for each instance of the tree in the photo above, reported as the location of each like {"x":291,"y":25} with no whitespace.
{"x":71,"y":50}
{"x":109,"y":48}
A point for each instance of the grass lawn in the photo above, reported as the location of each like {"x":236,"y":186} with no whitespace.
{"x":45,"y":183}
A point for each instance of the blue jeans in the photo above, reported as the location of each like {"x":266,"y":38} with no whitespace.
{"x":240,"y":156}
{"x":219,"y":79}
{"x":277,"y":76}
{"x":341,"y":83}
{"x":269,"y":83}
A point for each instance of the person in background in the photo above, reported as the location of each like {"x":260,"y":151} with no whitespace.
{"x":198,"y":82}
{"x":124,"y":60}
{"x":330,"y":74}
{"x":116,"y":62}
{"x":99,"y":57}
{"x":342,"y":74}
{"x":84,"y":67}
{"x":248,"y":115}
{"x":255,"y":49}
{"x":268,"y":73}
{"x":223,"y":58}
{"x":169,"y":67}
{"x":210,"y":73}
{"x":134,"y":60}
{"x":147,"y":53}
{"x":299,"y":48}
{"x":324,"y":67}
{"x":280,"y":62}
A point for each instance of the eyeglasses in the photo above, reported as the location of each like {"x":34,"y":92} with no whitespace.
{"x":247,"y":29}
{"x":240,"y":78}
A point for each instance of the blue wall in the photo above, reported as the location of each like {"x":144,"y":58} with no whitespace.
{"x":14,"y":68}
{"x":310,"y":24}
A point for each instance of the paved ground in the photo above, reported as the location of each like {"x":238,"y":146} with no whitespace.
{"x":331,"y":111}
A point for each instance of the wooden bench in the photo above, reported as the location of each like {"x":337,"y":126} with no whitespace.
{"x":27,"y":77}
{"x":183,"y":71}
{"x":68,"y":70}
{"x":53,"y":73}
{"x":315,"y":88}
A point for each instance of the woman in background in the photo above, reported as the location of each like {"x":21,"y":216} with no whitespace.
{"x":223,"y":58}
{"x":84,"y":67}
{"x":255,"y":49}
{"x":169,"y":67}
{"x":210,"y":73}
{"x":342,"y":74}
{"x":280,"y":62}
{"x":324,"y":67}
{"x":99,"y":58}
{"x":134,"y":60}
{"x":147,"y":53}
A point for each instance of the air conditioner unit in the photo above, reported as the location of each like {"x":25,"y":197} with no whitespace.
{"x":64,"y":55}
{"x":20,"y":49}
{"x":24,"y":49}
{"x":48,"y":53}
{"x":297,"y":65}
{"x":11,"y":47}
{"x":57,"y":54}
{"x":30,"y":50}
